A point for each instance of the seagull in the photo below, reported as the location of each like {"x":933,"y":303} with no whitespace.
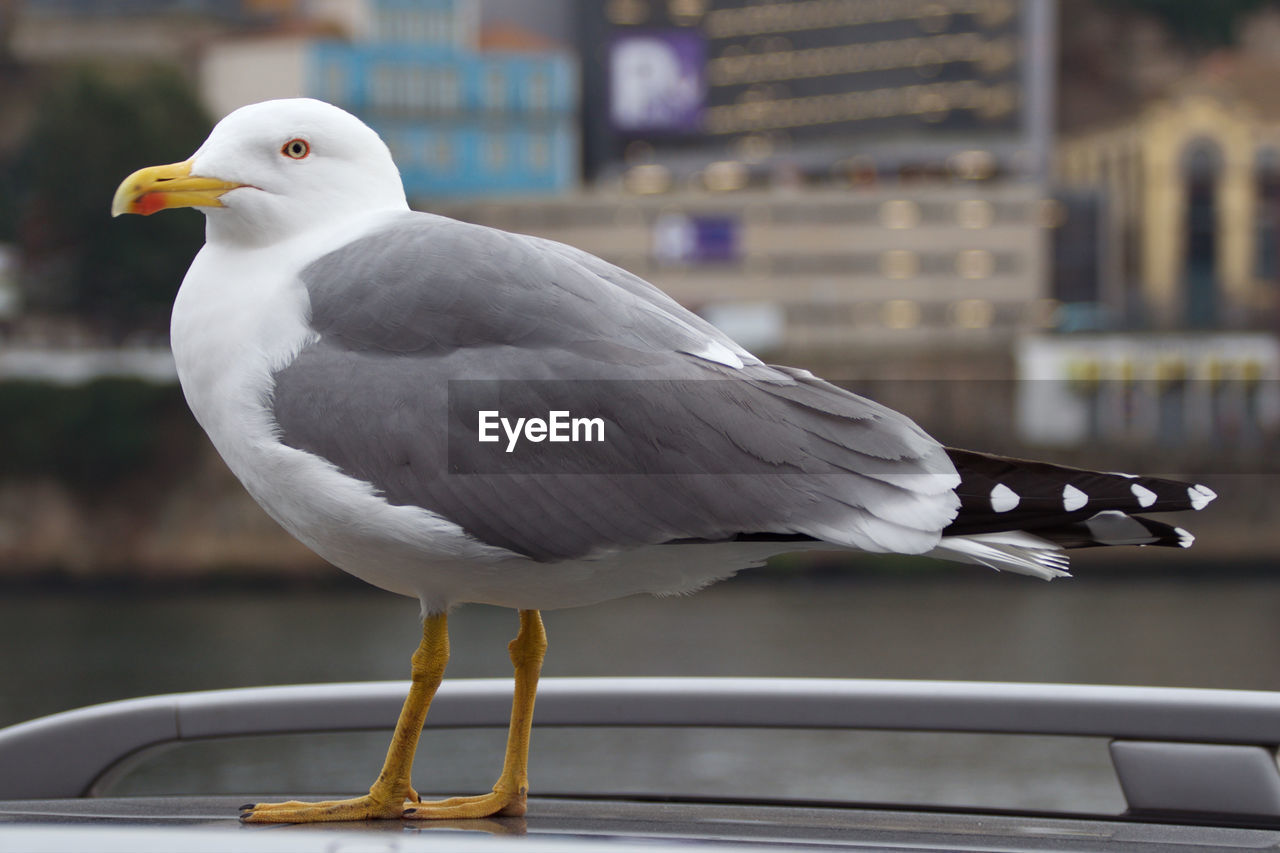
{"x":389,"y":385}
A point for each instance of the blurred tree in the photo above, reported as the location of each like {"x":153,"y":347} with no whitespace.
{"x":8,"y":203}
{"x":1197,"y":22}
{"x":8,"y":15}
{"x":96,"y":435}
{"x":10,"y":72}
{"x":119,"y":276}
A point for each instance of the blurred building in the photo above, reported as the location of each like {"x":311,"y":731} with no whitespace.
{"x":890,"y":88}
{"x":1185,"y":200}
{"x":77,"y":31}
{"x":1169,"y":242}
{"x":827,"y":180}
{"x":1215,"y":393}
{"x":465,"y":111}
{"x":825,"y":275}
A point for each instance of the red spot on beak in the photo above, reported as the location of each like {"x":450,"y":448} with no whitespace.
{"x":149,"y":204}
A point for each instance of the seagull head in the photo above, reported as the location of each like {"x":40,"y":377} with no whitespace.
{"x":271,"y":170}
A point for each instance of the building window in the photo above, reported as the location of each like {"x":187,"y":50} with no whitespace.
{"x":495,"y":89}
{"x":539,"y":92}
{"x":539,"y":153}
{"x":1201,"y":167}
{"x":975,"y":263}
{"x":1267,"y":221}
{"x":975,"y":213}
{"x":899,"y":213}
{"x":441,"y":90}
{"x":437,"y":27}
{"x":381,"y":86}
{"x":417,"y":27}
{"x":414,"y":26}
{"x":415,"y":89}
{"x":972,"y":314}
{"x":437,"y":153}
{"x":389,"y":25}
{"x":900,"y":314}
{"x":899,"y":264}
{"x":495,"y":153}
{"x":400,"y":78}
{"x":399,"y":88}
{"x":335,"y":83}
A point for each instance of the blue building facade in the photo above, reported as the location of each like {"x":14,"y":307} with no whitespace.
{"x":460,"y":122}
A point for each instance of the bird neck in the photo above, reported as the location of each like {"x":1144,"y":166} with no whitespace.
{"x":255,"y":229}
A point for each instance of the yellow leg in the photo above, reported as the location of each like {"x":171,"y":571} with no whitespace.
{"x":511,"y":790}
{"x":388,"y":795}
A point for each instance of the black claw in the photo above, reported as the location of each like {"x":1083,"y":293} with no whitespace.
{"x":246,"y":815}
{"x":408,"y":811}
{"x":247,"y":806}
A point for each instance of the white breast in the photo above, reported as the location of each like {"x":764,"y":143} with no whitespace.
{"x":240,"y":316}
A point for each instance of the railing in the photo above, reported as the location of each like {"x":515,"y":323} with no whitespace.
{"x":1175,"y":751}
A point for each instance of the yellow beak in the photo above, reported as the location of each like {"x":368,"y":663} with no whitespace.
{"x":162,"y":187}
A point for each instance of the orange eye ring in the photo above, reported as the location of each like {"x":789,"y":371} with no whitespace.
{"x":296,"y":149}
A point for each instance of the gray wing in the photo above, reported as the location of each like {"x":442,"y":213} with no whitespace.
{"x":425,"y":323}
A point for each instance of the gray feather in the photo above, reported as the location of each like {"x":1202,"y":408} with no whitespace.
{"x":714,"y":452}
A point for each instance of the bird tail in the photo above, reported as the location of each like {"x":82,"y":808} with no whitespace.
{"x":1020,"y":516}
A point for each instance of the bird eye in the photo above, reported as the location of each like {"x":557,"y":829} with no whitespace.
{"x":296,"y":149}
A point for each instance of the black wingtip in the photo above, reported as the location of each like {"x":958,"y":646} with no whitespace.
{"x":1000,"y":493}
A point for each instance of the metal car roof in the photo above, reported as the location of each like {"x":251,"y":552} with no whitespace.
{"x":1197,"y":767}
{"x":198,"y":824}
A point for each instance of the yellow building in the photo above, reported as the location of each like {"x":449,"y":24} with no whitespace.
{"x":1190,"y":193}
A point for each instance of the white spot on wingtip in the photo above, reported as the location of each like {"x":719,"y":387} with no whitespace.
{"x":1184,"y":538}
{"x":1072,"y":498}
{"x":1145,"y":496}
{"x":1003,"y":498}
{"x":1126,"y":476}
{"x":1200,"y":496}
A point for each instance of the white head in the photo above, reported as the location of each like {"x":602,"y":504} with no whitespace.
{"x":271,"y":170}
